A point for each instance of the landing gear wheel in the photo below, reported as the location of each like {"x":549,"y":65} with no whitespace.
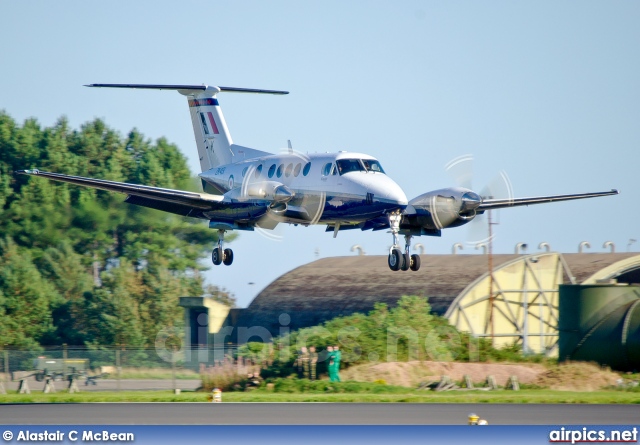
{"x":395,"y":259}
{"x":415,"y":262}
{"x":216,"y":256}
{"x":228,"y":257}
{"x":406,"y":262}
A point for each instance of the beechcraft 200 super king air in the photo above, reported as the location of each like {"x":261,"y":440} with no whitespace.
{"x":244,"y":188}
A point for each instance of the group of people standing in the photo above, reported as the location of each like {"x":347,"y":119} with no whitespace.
{"x":307,"y":362}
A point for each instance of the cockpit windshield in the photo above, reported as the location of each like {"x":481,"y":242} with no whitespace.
{"x":355,"y":165}
{"x":349,"y":165}
{"x":372,"y":165}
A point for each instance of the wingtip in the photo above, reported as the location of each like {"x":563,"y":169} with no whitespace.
{"x":616,"y":191}
{"x":26,"y":172}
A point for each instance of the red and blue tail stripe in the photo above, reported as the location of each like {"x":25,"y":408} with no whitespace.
{"x":203,"y":102}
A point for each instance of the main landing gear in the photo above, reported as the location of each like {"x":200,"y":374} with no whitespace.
{"x":220,"y":255}
{"x":399,"y":260}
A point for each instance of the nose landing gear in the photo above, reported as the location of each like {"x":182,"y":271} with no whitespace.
{"x":399,"y":260}
{"x":220,"y":255}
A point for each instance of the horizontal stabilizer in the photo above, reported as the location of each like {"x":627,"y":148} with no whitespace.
{"x":194,"y":88}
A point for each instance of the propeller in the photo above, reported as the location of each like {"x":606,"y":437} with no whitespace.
{"x":461,"y":170}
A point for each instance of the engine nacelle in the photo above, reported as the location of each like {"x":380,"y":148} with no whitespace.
{"x":443,"y":208}
{"x":271,"y":190}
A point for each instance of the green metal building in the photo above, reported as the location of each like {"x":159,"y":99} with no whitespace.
{"x":600,"y":323}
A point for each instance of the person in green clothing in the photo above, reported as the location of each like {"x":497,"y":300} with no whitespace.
{"x":337,"y":356}
{"x":331,"y":363}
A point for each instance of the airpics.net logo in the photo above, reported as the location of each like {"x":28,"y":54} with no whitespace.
{"x":589,"y":435}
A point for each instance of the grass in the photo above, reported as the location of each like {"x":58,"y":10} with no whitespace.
{"x":412,"y":396}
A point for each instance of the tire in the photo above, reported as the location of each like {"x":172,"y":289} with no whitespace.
{"x":395,"y":259}
{"x":39,"y":377}
{"x":406,"y":262}
{"x":216,"y":256}
{"x":228,"y":257}
{"x":415,"y":262}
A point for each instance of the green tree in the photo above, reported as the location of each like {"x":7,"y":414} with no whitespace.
{"x":113,"y":272}
{"x":25,"y":299}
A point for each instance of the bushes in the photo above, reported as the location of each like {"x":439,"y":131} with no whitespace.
{"x":228,"y":376}
{"x":406,"y":332}
{"x":291,"y":386}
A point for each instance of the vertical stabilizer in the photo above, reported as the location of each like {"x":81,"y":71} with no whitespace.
{"x":210,"y":129}
{"x":215,"y":146}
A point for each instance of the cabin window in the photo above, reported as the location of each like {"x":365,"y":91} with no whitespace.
{"x":280,"y":169}
{"x":296,"y":171}
{"x":272,"y":170}
{"x":326,"y":171}
{"x":258,"y":171}
{"x":307,"y":167}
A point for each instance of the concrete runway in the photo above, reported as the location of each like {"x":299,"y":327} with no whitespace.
{"x":314,"y":414}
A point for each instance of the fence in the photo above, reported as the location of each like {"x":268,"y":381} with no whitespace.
{"x":14,"y":360}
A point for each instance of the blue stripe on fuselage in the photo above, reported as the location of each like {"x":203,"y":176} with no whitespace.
{"x":354,"y":208}
{"x":336,"y":208}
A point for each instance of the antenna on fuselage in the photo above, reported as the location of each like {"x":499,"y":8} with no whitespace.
{"x":290,"y":146}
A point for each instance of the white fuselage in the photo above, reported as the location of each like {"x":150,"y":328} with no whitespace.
{"x":330,"y":188}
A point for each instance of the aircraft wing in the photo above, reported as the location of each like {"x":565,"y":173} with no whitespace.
{"x":491,"y":204}
{"x":174,"y":201}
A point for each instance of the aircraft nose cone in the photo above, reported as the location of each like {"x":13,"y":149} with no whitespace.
{"x":385,"y":189}
{"x":379,"y":189}
{"x":396,"y":194}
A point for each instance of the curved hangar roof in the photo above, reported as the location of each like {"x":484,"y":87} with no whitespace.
{"x":354,"y":283}
{"x":343,"y":285}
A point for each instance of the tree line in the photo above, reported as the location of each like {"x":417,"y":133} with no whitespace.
{"x":80,"y":266}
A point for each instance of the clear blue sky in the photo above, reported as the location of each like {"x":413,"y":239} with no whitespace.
{"x":548,"y":91}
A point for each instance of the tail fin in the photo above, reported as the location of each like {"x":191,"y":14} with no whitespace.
{"x":215,"y":146}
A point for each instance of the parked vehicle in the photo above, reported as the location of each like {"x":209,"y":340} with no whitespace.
{"x":60,"y":369}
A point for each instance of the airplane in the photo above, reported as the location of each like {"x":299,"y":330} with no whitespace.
{"x":246,"y":189}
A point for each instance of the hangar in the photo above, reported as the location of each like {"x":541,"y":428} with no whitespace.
{"x":459,"y":287}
